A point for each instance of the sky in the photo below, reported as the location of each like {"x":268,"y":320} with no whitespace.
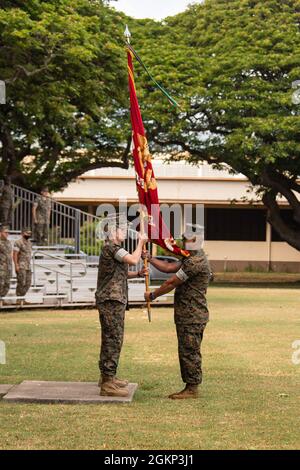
{"x":156,"y":9}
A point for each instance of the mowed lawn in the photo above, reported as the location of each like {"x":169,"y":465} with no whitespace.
{"x":249,"y":398}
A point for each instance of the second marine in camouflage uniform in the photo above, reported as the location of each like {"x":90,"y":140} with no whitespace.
{"x":22,"y":259}
{"x":111,"y":300}
{"x":5,"y":261}
{"x":190,"y":313}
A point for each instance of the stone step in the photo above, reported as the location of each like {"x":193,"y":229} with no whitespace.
{"x":63,"y":392}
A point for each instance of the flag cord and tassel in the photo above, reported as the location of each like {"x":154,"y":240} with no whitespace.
{"x":127,"y":35}
{"x":160,"y":87}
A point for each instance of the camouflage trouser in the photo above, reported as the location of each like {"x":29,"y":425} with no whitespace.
{"x":111,"y":316}
{"x":190,"y":359}
{"x":40,"y":233}
{"x":23,"y":282}
{"x":5,"y":214}
{"x":4,"y":283}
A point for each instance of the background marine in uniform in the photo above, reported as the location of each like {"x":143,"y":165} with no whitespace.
{"x":5,"y":261}
{"x":41,"y":212}
{"x":6,"y":202}
{"x":22,"y":259}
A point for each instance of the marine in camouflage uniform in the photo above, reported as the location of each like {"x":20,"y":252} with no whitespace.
{"x":191,"y":314}
{"x":22,"y":258}
{"x":5,"y":261}
{"x":6,"y":203}
{"x":41,"y":217}
{"x":111,"y":300}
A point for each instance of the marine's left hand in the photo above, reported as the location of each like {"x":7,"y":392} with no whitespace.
{"x":146,"y":255}
{"x":143,"y":272}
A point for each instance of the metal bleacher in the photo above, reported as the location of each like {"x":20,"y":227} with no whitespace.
{"x":58,"y":281}
{"x":64,"y":273}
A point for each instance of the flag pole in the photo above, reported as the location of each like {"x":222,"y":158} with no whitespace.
{"x":142,"y":229}
{"x":127,"y":35}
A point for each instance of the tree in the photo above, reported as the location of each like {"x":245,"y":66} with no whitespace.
{"x":232,"y":65}
{"x":65,"y":73}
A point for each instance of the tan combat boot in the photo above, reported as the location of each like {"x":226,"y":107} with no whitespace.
{"x":119,"y":382}
{"x":190,"y":391}
{"x":110,"y":389}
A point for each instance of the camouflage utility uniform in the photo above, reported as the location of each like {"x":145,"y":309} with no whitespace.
{"x":111,"y":299}
{"x":191,"y":315}
{"x":5,"y":266}
{"x":41,"y":227}
{"x":6,"y":205}
{"x":24,"y":248}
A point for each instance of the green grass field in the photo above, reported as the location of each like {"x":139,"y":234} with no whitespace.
{"x":249,"y":397}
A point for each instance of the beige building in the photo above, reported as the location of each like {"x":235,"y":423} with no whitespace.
{"x":237,"y":235}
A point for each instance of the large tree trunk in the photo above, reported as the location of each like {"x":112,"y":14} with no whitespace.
{"x":279,"y":184}
{"x":9,"y":157}
{"x":287,"y":233}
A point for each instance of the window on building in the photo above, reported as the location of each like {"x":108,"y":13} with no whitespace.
{"x":235,"y":224}
{"x":79,"y":207}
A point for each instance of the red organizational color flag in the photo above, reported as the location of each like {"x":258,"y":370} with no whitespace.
{"x":145,"y":178}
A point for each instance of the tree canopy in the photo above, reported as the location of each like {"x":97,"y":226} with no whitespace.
{"x":63,"y":64}
{"x":232,"y":65}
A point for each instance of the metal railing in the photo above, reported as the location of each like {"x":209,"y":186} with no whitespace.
{"x":70,"y":229}
{"x":57,"y":272}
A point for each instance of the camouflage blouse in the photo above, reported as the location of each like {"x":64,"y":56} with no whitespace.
{"x":190,"y":297}
{"x":43,"y":207}
{"x":24,"y":248}
{"x":5,"y":256}
{"x":112,"y":274}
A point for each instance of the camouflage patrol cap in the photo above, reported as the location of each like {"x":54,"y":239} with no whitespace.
{"x":4,"y":228}
{"x":193,"y":237}
{"x":112,"y":222}
{"x":117,"y":220}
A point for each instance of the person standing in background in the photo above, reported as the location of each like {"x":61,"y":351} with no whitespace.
{"x":22,"y":259}
{"x":5,"y":261}
{"x":41,"y":212}
{"x":6,"y":202}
